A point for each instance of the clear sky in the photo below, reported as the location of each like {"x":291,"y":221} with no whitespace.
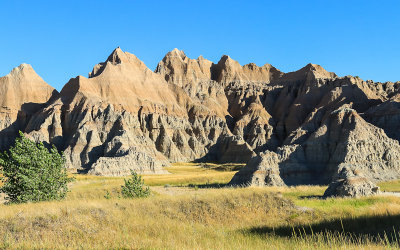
{"x":63,"y":39}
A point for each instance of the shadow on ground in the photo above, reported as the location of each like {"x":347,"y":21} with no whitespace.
{"x":382,"y":228}
{"x":222,"y":167}
{"x":213,"y":185}
{"x":303,"y":197}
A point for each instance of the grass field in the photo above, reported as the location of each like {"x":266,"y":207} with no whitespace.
{"x":186,"y":211}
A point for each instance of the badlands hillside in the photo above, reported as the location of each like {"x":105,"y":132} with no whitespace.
{"x":302,"y":127}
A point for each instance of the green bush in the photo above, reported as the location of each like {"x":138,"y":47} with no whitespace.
{"x":32,"y":173}
{"x":134,"y":187}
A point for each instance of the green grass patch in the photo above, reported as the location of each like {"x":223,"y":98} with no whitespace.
{"x":390,"y":186}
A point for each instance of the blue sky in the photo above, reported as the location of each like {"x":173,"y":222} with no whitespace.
{"x":63,"y":39}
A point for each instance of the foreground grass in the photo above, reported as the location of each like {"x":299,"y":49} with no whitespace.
{"x":213,"y":218}
{"x":206,"y":220}
{"x":178,"y":216}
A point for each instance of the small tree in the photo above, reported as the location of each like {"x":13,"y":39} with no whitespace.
{"x":134,"y":187}
{"x":33,"y":173}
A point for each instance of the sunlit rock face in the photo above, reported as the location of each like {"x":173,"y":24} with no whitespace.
{"x":22,"y":93}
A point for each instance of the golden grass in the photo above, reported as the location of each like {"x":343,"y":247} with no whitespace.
{"x":190,"y":173}
{"x":161,"y":221}
{"x":182,"y":174}
{"x":180,"y":217}
{"x":390,"y":186}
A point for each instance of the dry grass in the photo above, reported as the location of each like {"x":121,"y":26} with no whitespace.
{"x":182,"y":174}
{"x":186,"y":221}
{"x":177,"y":216}
{"x":390,"y":186}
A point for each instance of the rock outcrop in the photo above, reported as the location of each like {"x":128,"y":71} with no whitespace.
{"x":261,"y":170}
{"x":230,"y":90}
{"x":350,"y":182}
{"x":23,"y":93}
{"x":195,"y":78}
{"x":229,"y":71}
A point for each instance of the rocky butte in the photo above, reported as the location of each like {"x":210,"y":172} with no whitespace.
{"x":304,"y":127}
{"x":23,"y":93}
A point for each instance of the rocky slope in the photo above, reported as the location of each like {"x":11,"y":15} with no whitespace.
{"x":291,"y":128}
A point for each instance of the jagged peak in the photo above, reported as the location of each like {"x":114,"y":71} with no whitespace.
{"x":23,"y":69}
{"x":228,"y":70}
{"x":24,"y":66}
{"x":176,"y":50}
{"x":176,"y":66}
{"x":310,"y":70}
{"x":254,"y":66}
{"x":267,"y":65}
{"x":311,"y":67}
{"x":176,"y":53}
{"x":225,"y":59}
{"x":117,"y":56}
{"x":251,"y":66}
{"x":22,"y":86}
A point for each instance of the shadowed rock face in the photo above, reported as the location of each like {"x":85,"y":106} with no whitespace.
{"x":386,"y":116}
{"x":343,"y":138}
{"x":297,"y":126}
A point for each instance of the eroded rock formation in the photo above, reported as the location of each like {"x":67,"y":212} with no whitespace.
{"x":261,"y":170}
{"x":350,"y":182}
{"x":342,"y":138}
{"x":124,"y":117}
{"x":22,"y":93}
{"x":297,"y":127}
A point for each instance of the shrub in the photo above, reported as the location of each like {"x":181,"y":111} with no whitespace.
{"x":134,"y":187}
{"x":107,"y":195}
{"x":33,"y":173}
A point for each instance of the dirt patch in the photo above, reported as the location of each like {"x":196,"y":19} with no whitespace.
{"x":396,"y":194}
{"x":174,"y":191}
{"x":2,"y":200}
